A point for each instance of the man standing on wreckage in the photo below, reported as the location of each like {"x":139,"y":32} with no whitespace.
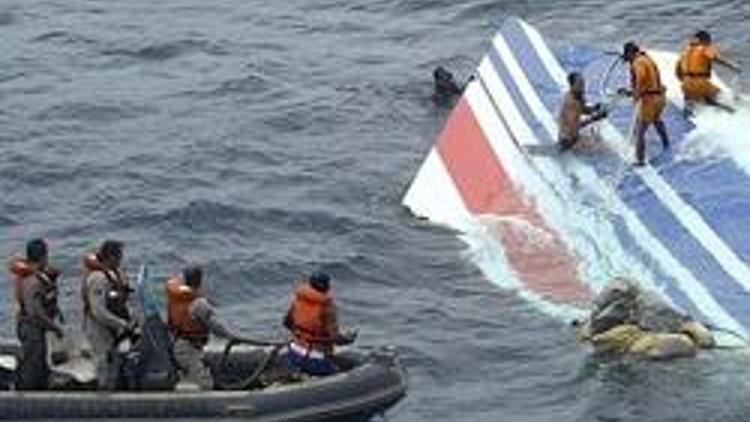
{"x":628,"y":320}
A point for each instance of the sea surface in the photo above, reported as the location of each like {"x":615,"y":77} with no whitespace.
{"x":264,"y":140}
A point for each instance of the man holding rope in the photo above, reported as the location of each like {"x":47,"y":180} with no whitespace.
{"x":649,"y":95}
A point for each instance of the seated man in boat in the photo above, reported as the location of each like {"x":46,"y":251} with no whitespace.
{"x":192,"y":319}
{"x":312,"y":321}
{"x":35,"y":288}
{"x":649,"y":95}
{"x":575,"y":114}
{"x":626,"y":320}
{"x":106,"y":317}
{"x":693,"y":69}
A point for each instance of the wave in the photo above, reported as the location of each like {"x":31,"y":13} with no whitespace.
{"x":168,"y":50}
{"x":94,"y":112}
{"x":246,"y":85}
{"x":63,"y":37}
{"x":718,"y":135}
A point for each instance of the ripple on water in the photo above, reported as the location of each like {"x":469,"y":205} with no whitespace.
{"x":7,"y":18}
{"x":62,"y":37}
{"x":165,"y":51}
{"x":7,"y":221}
{"x":94,"y":112}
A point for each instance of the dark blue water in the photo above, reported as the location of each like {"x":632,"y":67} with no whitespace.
{"x":267,"y":139}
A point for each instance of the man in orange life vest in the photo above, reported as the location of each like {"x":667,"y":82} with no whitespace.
{"x":35,"y":285}
{"x":693,"y":69}
{"x":192,"y":319}
{"x":106,"y":316}
{"x":649,"y":95}
{"x":312,"y":320}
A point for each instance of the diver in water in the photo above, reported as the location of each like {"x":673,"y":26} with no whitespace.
{"x":649,"y":95}
{"x":693,"y":69}
{"x":446,"y":87}
{"x":575,"y":114}
{"x":628,"y":320}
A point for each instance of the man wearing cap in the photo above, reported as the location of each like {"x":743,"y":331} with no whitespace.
{"x":313,"y":323}
{"x":649,"y":95}
{"x":694,"y":70}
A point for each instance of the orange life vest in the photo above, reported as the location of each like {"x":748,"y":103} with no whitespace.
{"x":21,"y":270}
{"x":695,"y":60}
{"x":179,"y":298}
{"x":644,"y":76}
{"x":313,"y":324}
{"x":117,"y":294}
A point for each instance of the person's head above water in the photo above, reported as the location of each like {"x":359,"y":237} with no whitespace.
{"x":445,"y":84}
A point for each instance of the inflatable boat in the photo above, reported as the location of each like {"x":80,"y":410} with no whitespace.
{"x":557,"y":227}
{"x":253,"y":384}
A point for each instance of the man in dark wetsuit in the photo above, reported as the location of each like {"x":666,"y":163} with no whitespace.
{"x":35,"y":285}
{"x":575,"y":114}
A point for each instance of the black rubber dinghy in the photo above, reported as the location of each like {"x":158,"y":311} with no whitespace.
{"x":252,"y":385}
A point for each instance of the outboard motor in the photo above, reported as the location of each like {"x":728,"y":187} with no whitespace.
{"x":149,"y":364}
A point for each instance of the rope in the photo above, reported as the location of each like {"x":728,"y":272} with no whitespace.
{"x":733,"y":333}
{"x":246,"y":383}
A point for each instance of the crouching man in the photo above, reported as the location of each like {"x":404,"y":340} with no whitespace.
{"x":628,"y":320}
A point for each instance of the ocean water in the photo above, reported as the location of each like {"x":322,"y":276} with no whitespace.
{"x":264,"y":140}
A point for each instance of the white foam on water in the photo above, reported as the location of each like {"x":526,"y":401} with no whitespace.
{"x":488,"y":254}
{"x":553,"y":185}
{"x":719,"y":134}
{"x":695,"y":291}
{"x":518,"y":231}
